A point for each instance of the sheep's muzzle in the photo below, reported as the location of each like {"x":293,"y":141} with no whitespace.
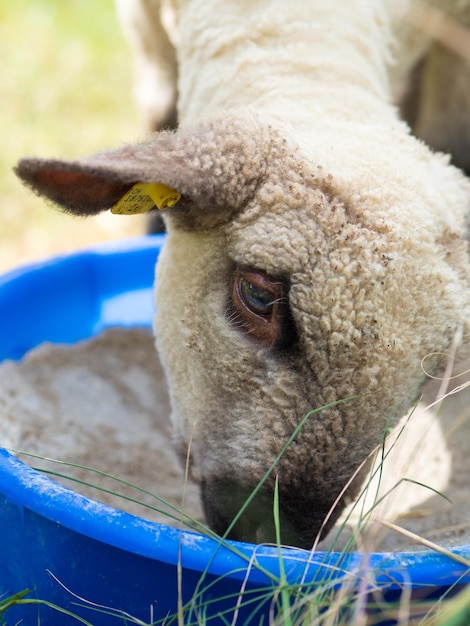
{"x":235,"y":512}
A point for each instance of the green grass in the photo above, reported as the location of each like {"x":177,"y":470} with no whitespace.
{"x":320,"y":603}
{"x":317,"y":604}
{"x":65,"y":90}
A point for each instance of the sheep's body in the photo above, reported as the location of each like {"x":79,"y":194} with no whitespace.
{"x":438,"y":106}
{"x":297,"y":175}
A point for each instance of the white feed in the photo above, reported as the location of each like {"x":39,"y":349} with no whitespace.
{"x":103,"y":404}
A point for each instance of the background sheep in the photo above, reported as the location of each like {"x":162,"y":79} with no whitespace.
{"x":316,"y":255}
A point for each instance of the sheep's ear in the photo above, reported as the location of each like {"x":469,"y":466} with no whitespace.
{"x":213,"y":170}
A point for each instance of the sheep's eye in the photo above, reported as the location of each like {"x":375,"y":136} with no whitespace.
{"x":258,"y":299}
{"x":259,"y":305}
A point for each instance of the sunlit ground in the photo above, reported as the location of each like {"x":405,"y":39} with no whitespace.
{"x":65,"y":90}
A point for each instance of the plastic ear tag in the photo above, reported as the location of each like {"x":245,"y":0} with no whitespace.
{"x":143,"y":197}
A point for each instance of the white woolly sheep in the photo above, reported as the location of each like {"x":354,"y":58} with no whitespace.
{"x":316,"y":255}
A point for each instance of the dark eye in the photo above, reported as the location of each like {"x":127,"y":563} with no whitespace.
{"x":256,"y":297}
{"x":259,"y":305}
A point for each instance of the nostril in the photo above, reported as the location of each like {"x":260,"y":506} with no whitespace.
{"x":229,"y":511}
{"x":232,"y":511}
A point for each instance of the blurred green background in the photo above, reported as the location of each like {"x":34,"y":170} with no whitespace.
{"x":65,"y":90}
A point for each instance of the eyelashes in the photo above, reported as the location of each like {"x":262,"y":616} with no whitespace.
{"x":259,"y":306}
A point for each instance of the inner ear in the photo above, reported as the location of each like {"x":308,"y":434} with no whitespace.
{"x":77,"y":190}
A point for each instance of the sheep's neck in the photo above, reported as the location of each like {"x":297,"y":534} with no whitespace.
{"x":332,"y":67}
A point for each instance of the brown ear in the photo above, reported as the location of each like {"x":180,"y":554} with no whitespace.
{"x":78,"y":189}
{"x":215,"y":167}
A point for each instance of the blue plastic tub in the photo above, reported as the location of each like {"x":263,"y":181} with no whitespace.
{"x":103,"y":564}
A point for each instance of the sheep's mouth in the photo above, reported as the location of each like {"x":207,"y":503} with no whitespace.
{"x":231,"y":511}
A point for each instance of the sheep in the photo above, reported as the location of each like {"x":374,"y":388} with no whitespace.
{"x":316,"y":252}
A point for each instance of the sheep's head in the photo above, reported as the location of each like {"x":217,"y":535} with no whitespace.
{"x":276,"y":300}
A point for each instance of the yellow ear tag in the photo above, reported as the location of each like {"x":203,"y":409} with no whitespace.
{"x":143,"y":197}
